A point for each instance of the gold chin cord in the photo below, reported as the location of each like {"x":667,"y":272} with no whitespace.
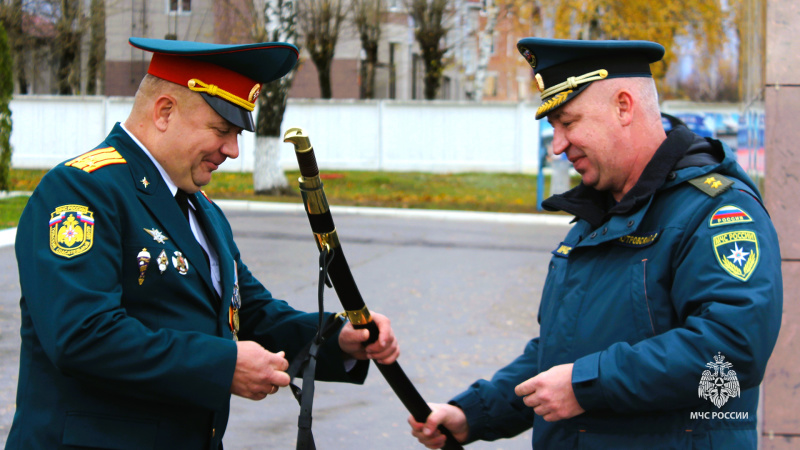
{"x":321,"y":221}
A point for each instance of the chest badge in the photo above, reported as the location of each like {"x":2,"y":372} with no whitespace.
{"x":157,"y":235}
{"x":737,"y":253}
{"x":71,"y":230}
{"x":144,"y":182}
{"x":143,"y":259}
{"x":180,"y":263}
{"x":162,"y":261}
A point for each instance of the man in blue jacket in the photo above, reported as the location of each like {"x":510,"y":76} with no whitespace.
{"x":662,"y":305}
{"x":139,"y":317}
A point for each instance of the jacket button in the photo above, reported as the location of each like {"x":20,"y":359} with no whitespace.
{"x":605,"y":230}
{"x":213,"y":432}
{"x":594,"y":235}
{"x":630,"y":223}
{"x":672,"y":176}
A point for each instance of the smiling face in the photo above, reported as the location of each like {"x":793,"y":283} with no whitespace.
{"x":195,"y":140}
{"x":594,"y":130}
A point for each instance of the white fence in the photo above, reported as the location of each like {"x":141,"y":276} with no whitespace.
{"x":355,"y":135}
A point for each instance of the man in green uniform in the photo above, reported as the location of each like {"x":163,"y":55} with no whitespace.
{"x":139,"y":317}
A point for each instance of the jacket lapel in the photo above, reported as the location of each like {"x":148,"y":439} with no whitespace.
{"x":158,"y":200}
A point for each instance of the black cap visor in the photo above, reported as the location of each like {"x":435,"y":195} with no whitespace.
{"x":240,"y":117}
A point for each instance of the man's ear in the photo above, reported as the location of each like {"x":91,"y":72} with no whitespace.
{"x":625,"y":104}
{"x":163,"y":110}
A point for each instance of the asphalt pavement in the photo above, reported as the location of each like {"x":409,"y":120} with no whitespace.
{"x":462,"y":291}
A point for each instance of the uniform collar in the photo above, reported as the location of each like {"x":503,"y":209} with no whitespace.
{"x":173,"y":188}
{"x":595,"y":206}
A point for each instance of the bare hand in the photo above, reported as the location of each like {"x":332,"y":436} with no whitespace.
{"x":258,"y":372}
{"x":385,"y":350}
{"x":452,"y":417}
{"x":550,"y":394}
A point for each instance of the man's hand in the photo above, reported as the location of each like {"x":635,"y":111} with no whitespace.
{"x":550,"y":394}
{"x":385,"y":350}
{"x":452,"y":417}
{"x":258,"y":372}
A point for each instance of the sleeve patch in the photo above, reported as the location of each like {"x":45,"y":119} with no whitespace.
{"x":95,"y":159}
{"x":737,"y":253}
{"x":71,"y":230}
{"x":729,"y":215}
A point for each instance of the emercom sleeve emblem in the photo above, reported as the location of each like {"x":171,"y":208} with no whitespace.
{"x":71,"y":230}
{"x":737,"y":253}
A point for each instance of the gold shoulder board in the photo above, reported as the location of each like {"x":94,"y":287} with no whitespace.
{"x":95,"y":159}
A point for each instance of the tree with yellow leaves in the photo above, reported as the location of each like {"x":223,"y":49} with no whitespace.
{"x":673,"y":24}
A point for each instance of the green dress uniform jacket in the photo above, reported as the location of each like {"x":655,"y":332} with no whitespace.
{"x":668,"y":303}
{"x":125,"y":342}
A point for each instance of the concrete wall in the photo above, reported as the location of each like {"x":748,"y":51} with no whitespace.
{"x":346,"y":134}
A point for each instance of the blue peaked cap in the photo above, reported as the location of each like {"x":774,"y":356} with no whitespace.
{"x":563,"y":68}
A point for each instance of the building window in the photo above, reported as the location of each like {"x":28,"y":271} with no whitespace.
{"x":179,"y":6}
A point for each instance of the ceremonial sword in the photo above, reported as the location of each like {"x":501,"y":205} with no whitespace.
{"x":319,"y":216}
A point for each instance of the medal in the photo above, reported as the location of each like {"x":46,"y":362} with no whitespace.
{"x":163,"y":262}
{"x":143,"y":259}
{"x":181,"y":263}
{"x":236,"y":303}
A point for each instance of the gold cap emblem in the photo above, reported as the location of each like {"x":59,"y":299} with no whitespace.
{"x":254,"y":93}
{"x":539,"y":82}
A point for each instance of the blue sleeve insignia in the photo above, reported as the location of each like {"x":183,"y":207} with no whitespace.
{"x":737,"y":252}
{"x":71,"y":230}
{"x":727,"y":215}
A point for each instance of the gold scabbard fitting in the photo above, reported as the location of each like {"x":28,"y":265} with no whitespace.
{"x":329,"y":240}
{"x":298,"y":138}
{"x":315,"y":200}
{"x":359,"y":317}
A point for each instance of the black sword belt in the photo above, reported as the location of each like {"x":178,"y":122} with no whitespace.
{"x":319,"y":216}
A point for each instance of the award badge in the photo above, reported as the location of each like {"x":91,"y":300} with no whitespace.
{"x":143,"y":259}
{"x":236,"y":303}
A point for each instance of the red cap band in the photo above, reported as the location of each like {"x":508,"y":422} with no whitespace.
{"x":180,"y":70}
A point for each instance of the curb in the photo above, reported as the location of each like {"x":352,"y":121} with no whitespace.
{"x":438,"y":214}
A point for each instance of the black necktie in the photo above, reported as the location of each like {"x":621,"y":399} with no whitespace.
{"x":182,"y":198}
{"x":183,"y":202}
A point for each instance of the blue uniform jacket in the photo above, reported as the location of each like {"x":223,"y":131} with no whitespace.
{"x":668,"y":304}
{"x":119,"y":354}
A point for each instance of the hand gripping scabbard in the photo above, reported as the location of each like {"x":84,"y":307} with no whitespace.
{"x":322,"y":226}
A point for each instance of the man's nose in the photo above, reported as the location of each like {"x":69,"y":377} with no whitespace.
{"x":230,"y":147}
{"x":560,"y":142}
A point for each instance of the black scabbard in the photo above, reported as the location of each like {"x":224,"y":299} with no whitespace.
{"x":319,"y":216}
